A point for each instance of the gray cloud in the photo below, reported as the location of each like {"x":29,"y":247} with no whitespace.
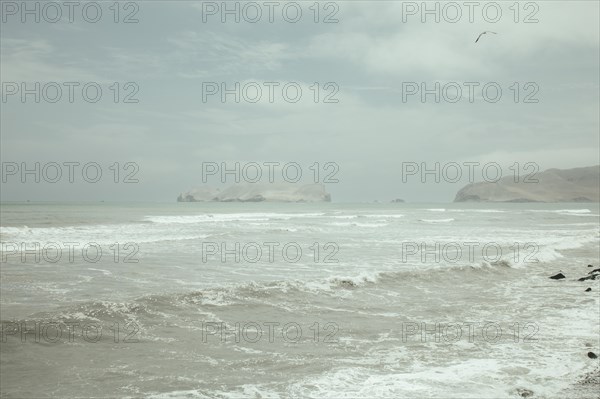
{"x":370,"y":54}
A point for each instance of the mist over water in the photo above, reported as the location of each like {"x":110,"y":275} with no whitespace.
{"x":202,"y":300}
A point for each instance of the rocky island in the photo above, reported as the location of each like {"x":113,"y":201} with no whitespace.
{"x":553,"y":185}
{"x":258,"y":193}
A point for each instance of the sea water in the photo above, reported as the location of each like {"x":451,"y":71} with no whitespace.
{"x":296,"y":300}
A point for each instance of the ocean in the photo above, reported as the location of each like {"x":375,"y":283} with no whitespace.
{"x":272,"y":300}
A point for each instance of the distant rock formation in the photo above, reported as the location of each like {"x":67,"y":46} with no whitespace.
{"x":398,"y":200}
{"x":258,"y":193}
{"x":199,"y":195}
{"x":554,"y":185}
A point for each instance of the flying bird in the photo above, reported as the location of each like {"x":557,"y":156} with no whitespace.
{"x":483,"y":33}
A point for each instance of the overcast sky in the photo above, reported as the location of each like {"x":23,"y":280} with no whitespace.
{"x":372,"y":56}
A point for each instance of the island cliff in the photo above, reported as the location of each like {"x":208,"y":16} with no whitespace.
{"x":258,"y":193}
{"x":553,"y":185}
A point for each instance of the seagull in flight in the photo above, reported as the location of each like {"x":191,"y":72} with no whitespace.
{"x":483,"y":33}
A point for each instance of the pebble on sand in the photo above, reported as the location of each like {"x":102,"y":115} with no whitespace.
{"x":524,"y":393}
{"x":592,"y":355}
{"x":588,"y":290}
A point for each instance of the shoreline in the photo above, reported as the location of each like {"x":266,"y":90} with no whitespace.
{"x":587,"y":384}
{"x":586,"y":387}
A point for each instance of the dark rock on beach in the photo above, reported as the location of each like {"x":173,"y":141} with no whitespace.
{"x":588,"y":290}
{"x":595,"y":270}
{"x":558,"y":276}
{"x":592,"y":355}
{"x":524,"y":393}
{"x":347,"y":283}
{"x":592,"y":277}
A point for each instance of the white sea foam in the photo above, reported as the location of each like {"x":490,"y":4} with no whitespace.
{"x":228,"y":217}
{"x":354,"y":224}
{"x":467,"y":378}
{"x":448,"y":220}
{"x":98,"y":234}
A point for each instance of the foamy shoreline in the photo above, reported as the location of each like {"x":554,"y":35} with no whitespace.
{"x":587,"y":387}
